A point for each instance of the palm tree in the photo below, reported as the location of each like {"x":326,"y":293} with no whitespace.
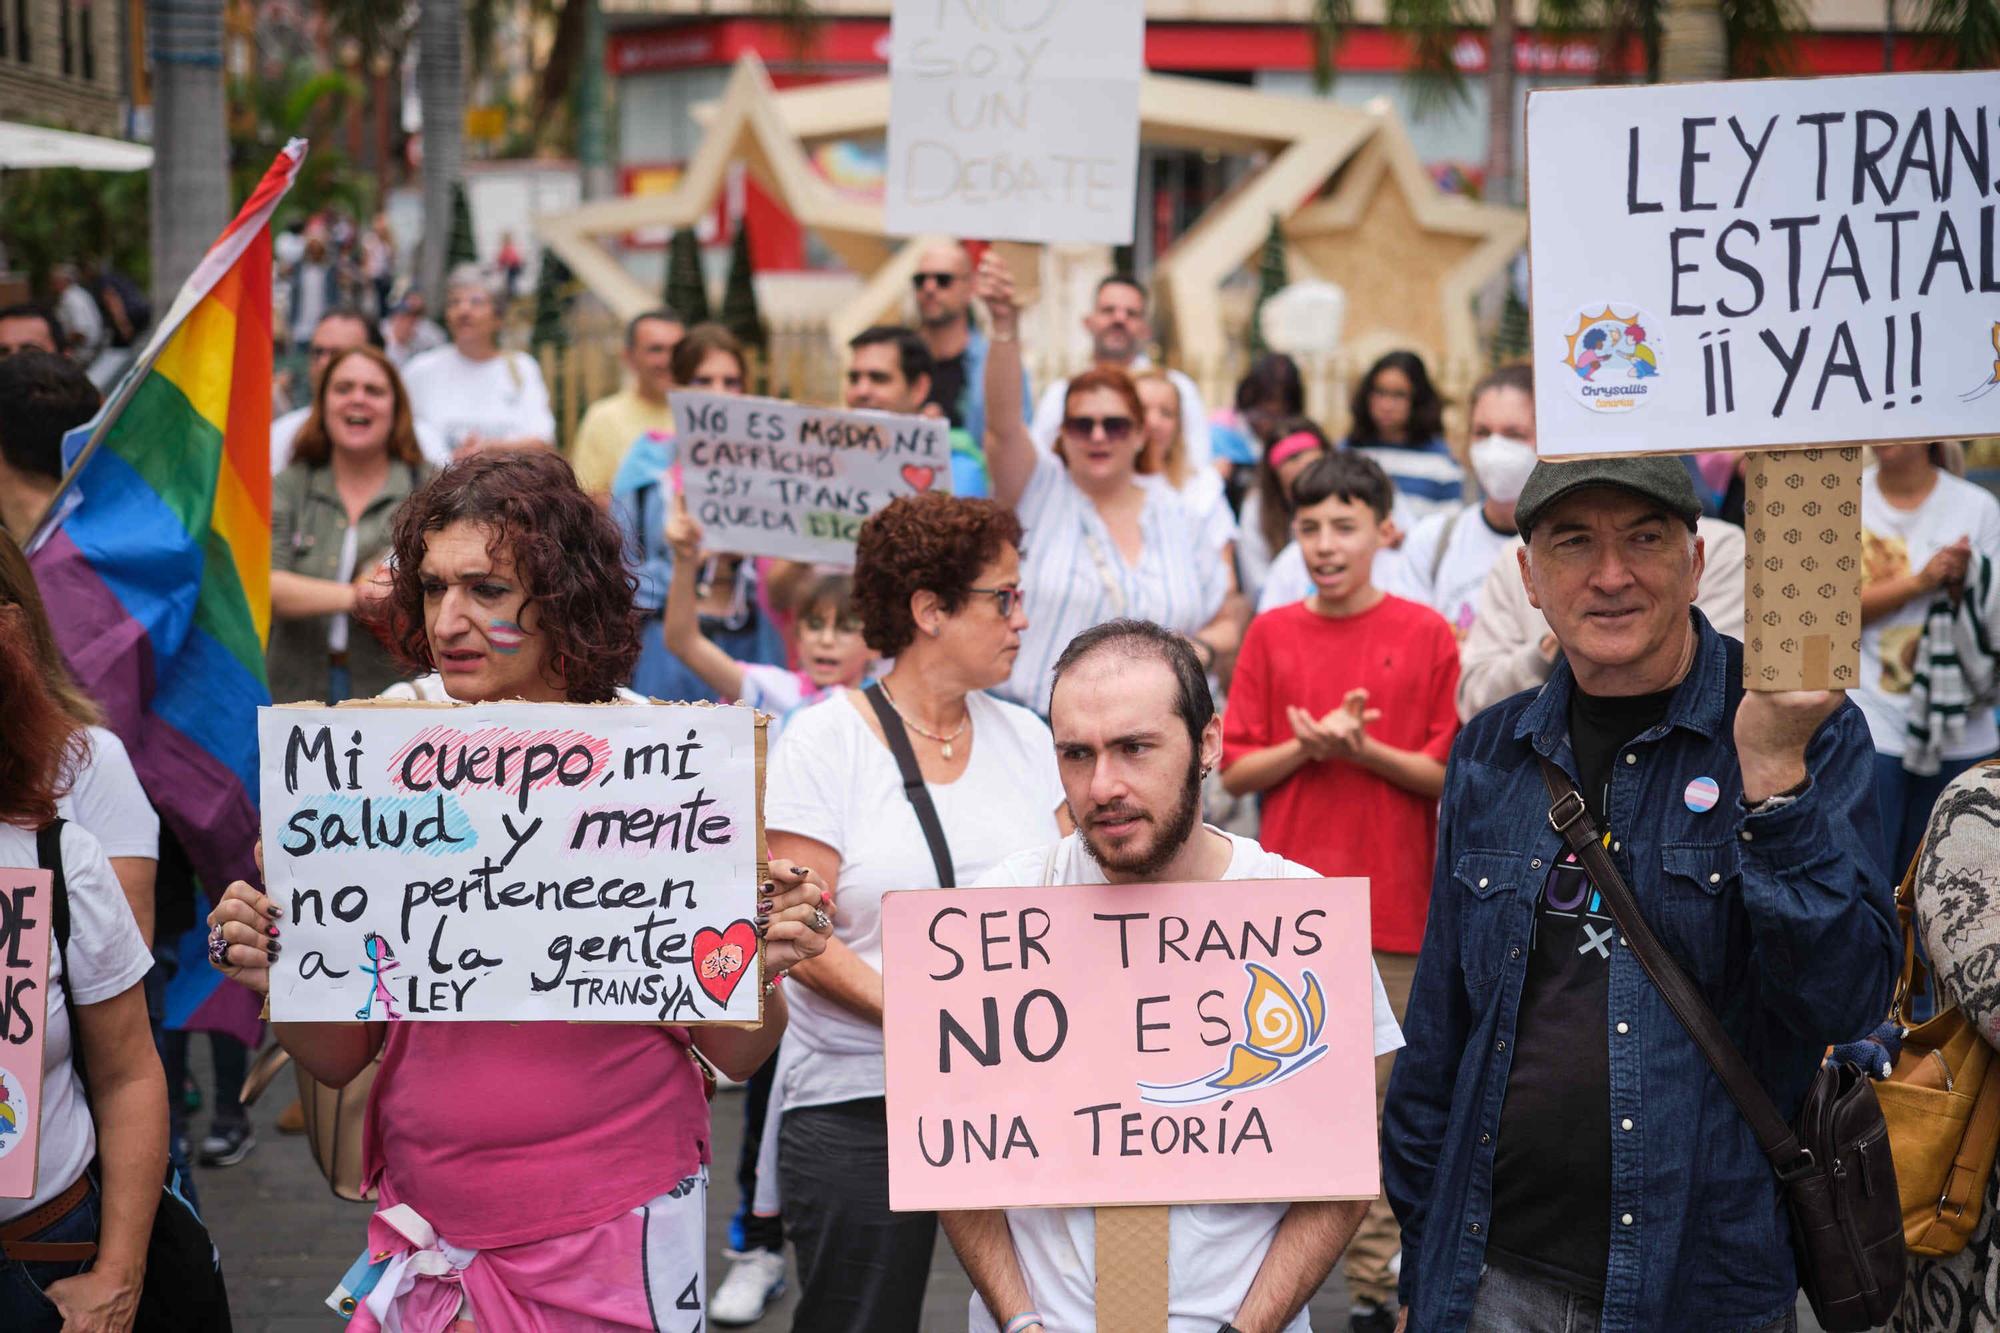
{"x":441,"y":90}
{"x":190,"y":200}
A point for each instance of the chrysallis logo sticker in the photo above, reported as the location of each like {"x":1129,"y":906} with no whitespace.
{"x":1614,"y":358}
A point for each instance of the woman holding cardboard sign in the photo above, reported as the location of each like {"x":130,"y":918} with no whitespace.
{"x":525,"y":1182}
{"x":923,"y":779}
{"x":1107,"y":539}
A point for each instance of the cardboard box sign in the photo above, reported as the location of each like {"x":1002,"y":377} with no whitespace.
{"x":1764,"y":263}
{"x":514,"y":861}
{"x":1085,"y":1045}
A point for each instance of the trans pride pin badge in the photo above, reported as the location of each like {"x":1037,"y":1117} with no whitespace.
{"x":1701,"y":795}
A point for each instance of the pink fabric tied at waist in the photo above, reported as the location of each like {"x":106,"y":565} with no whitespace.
{"x":577,"y":1283}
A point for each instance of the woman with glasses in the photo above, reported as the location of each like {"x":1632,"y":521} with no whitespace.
{"x":1108,"y":537}
{"x":937,"y":583}
{"x":1397,"y":419}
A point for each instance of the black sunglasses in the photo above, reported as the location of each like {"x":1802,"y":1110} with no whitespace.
{"x":942,"y":281}
{"x":1004,"y":598}
{"x":1082,"y":428}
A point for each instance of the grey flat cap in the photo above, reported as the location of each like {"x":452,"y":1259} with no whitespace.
{"x":1662,"y":479}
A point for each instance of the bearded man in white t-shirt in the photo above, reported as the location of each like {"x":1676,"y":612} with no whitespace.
{"x":1135,"y":732}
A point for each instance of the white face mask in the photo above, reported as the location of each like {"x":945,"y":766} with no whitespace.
{"x":1502,"y":464}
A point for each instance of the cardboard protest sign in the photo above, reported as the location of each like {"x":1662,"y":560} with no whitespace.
{"x":1087,"y":1045}
{"x":767,"y":477}
{"x":26,"y":907}
{"x":1015,"y":119}
{"x":514,"y":862}
{"x":1764,"y":263}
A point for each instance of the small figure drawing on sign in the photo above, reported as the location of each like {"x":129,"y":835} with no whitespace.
{"x":381,"y":960}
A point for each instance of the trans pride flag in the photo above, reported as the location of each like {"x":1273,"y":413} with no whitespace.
{"x":159,"y":576}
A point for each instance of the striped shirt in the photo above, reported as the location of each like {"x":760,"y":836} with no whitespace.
{"x":1427,"y":477}
{"x":1075,"y":577}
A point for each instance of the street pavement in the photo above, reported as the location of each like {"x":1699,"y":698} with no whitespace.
{"x":285,"y":1239}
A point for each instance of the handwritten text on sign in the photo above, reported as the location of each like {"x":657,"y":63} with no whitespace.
{"x":1015,"y":119}
{"x":1129,"y":1044}
{"x":767,"y":477}
{"x":1765,"y":263}
{"x":25,"y":907}
{"x":513,"y":861}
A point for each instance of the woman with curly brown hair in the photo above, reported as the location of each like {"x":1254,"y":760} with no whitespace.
{"x":565,"y":1207}
{"x":937,"y":582}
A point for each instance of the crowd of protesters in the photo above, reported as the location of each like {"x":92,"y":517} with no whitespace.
{"x":1139,"y":642}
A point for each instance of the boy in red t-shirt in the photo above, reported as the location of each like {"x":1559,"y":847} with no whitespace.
{"x":1342,"y":712}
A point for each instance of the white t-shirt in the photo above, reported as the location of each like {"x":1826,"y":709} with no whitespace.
{"x":1895,"y":542}
{"x":106,"y":958}
{"x":1047,"y":422}
{"x":1471,"y":549}
{"x":1205,"y":498}
{"x":500,"y":398}
{"x":1075,"y":576}
{"x":285,"y":429}
{"x":105,"y":797}
{"x":1213,"y":1250}
{"x":832,"y":781}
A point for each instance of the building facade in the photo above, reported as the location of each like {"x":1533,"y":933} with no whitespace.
{"x":62,"y":64}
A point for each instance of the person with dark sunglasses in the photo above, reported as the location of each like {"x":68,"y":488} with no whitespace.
{"x":1108,"y":536}
{"x":941,"y":289}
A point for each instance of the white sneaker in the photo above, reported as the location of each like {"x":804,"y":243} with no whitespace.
{"x":755,"y":1280}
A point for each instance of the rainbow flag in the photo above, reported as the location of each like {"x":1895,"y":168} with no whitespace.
{"x":159,"y":575}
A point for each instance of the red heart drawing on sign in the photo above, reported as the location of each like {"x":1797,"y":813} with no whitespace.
{"x":920,"y":478}
{"x":723,"y":958}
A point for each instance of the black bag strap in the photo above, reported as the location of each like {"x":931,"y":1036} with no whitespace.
{"x":913,"y":783}
{"x":49,"y":856}
{"x":1571,"y":819}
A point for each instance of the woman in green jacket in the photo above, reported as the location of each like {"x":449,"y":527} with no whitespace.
{"x":354,"y":462}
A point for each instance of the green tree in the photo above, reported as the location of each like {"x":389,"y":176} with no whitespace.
{"x":739,"y":294}
{"x":62,"y":215}
{"x":555,"y":292}
{"x":1271,"y":279}
{"x":266,"y":113}
{"x":687,"y":289}
{"x":463,"y":248}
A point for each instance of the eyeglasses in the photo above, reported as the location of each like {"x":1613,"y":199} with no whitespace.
{"x":942,"y":281}
{"x":1082,"y":428}
{"x":1005,"y":598}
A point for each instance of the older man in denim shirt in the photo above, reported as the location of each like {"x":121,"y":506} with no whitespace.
{"x":1559,"y":1153}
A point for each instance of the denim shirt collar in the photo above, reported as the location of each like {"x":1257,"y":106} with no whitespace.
{"x":1700,"y":702}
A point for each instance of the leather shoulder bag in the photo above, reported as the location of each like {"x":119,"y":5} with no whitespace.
{"x":1833,"y":1165}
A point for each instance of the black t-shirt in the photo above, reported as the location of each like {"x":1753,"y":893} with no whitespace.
{"x":948,"y":388}
{"x":1552,"y":1166}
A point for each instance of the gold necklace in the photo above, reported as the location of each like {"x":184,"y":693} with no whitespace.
{"x":944,"y":742}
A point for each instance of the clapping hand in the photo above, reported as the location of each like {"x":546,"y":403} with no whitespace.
{"x":1341,"y":734}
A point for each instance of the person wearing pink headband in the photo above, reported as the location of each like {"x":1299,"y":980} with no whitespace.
{"x":1293,"y":445}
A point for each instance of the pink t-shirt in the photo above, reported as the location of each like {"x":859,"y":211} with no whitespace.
{"x":504,"y":1133}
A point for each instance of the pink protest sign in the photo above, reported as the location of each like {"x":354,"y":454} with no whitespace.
{"x":1086,"y":1045}
{"x":24,"y":1002}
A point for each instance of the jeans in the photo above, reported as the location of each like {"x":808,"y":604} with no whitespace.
{"x":1905,"y":801}
{"x":862,"y":1268}
{"x":1513,"y":1302}
{"x":23,"y":1308}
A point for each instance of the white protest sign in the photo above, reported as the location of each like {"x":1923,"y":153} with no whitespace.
{"x":513,"y":862}
{"x":1015,"y":119}
{"x":767,"y":477}
{"x":1765,"y":263}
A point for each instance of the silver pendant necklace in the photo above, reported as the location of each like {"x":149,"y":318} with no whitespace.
{"x":944,"y":742}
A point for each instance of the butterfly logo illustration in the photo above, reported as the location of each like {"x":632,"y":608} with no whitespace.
{"x":1281,"y":1034}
